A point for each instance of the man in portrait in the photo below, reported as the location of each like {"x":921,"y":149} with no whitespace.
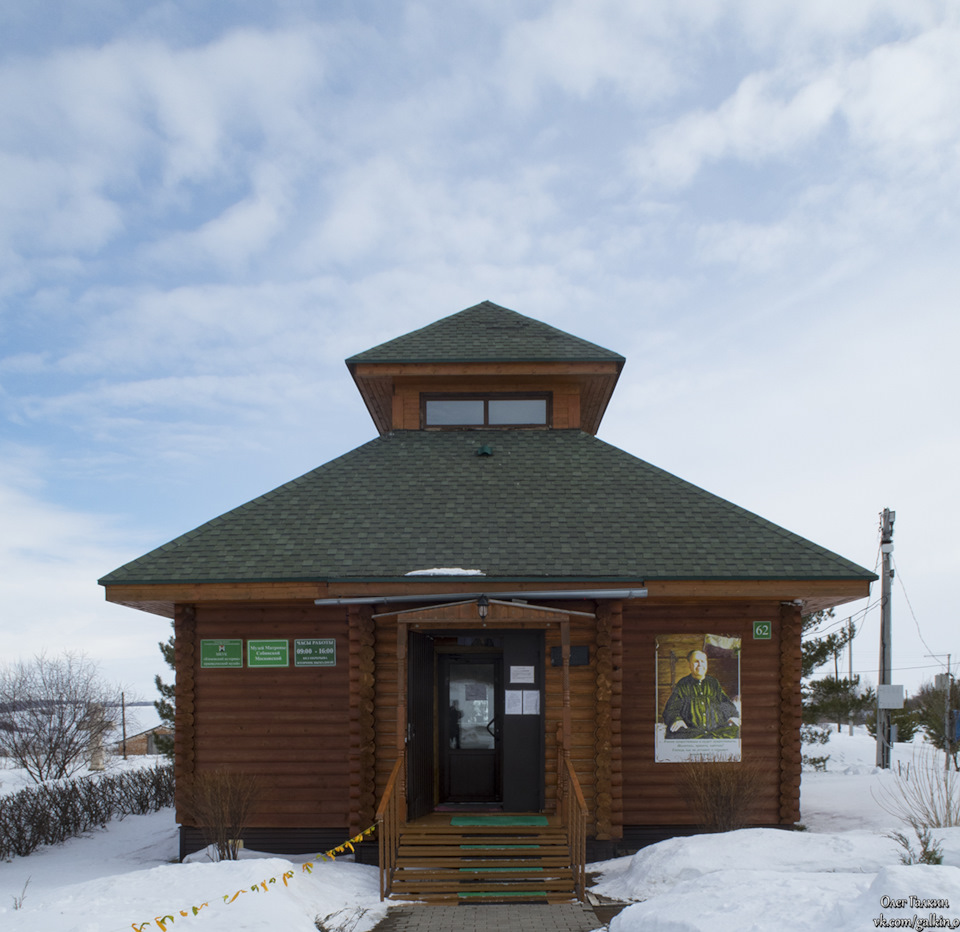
{"x":698,"y":707}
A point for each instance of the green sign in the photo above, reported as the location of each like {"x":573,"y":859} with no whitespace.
{"x":269,"y":652}
{"x":315,"y":652}
{"x":214,"y":654}
{"x":762,"y":630}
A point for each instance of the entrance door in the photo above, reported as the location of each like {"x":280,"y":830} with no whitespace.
{"x":470,"y":720}
{"x":420,"y":736}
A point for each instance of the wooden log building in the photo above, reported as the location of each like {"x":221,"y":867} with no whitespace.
{"x":485,"y":609}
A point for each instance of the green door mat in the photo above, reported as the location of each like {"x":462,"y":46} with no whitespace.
{"x":527,"y":893}
{"x":499,"y":820}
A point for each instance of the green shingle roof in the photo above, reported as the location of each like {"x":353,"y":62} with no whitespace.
{"x":546,"y":505}
{"x":482,"y":333}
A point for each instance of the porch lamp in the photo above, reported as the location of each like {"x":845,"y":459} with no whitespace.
{"x":483,"y":604}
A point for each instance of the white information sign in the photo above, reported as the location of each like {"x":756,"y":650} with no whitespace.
{"x":522,"y":675}
{"x":513,"y":702}
{"x":531,"y":702}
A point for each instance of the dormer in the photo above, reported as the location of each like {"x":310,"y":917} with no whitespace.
{"x":486,"y":367}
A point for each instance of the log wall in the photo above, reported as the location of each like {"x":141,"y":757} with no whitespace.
{"x":294,"y":728}
{"x":323,"y":739}
{"x":650,"y":792}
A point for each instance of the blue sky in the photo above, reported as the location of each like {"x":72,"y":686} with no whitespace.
{"x":203,"y":214}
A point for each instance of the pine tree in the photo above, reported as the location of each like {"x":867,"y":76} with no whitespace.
{"x":166,"y":704}
{"x":834,"y":698}
{"x":928,"y":703}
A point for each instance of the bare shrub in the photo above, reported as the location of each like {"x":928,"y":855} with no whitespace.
{"x":343,"y":920}
{"x":54,"y":713}
{"x":720,"y":792}
{"x":923,"y":795}
{"x":18,"y":900}
{"x":221,"y":802}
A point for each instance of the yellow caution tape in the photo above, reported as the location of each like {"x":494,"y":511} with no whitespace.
{"x":307,"y":868}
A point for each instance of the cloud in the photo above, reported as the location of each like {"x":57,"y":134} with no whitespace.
{"x":898,"y":105}
{"x":759,"y":121}
{"x":903,"y":103}
{"x":50,"y":559}
{"x":98,"y":141}
{"x":581,"y":46}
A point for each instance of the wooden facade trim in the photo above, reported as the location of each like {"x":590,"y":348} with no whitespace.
{"x":465,"y":614}
{"x":362,"y":719}
{"x":532,"y":370}
{"x":185,"y":733}
{"x":581,"y":390}
{"x":791,"y":624}
{"x":616,"y":717}
{"x":809,"y":591}
{"x":160,"y":598}
{"x":609,"y":806}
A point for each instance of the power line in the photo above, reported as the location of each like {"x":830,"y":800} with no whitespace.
{"x":924,"y":666}
{"x":912,"y":613}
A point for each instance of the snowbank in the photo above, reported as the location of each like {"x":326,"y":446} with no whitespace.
{"x":844,"y":873}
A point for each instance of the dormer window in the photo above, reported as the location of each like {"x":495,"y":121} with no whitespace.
{"x":499,"y":409}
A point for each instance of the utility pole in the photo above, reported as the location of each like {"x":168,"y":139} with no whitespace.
{"x":883,"y":715}
{"x":850,"y":662}
{"x":944,"y":681}
{"x":947,"y":732}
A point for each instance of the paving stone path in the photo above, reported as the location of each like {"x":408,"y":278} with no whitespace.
{"x":519,"y":918}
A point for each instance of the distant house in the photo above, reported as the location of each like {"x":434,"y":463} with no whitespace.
{"x":485,"y":610}
{"x":144,"y":742}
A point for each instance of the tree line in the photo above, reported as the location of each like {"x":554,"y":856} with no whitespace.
{"x":837,"y":700}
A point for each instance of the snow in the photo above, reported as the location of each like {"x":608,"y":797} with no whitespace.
{"x":445,"y":571}
{"x":13,"y":779}
{"x":842,"y":873}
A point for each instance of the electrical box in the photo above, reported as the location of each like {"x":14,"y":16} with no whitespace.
{"x":889,"y":697}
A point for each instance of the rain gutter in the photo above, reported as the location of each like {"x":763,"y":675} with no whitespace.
{"x":466,"y":596}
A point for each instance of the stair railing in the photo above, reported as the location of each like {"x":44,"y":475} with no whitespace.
{"x":390,"y":819}
{"x":573,"y":818}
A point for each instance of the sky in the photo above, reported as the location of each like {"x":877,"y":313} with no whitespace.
{"x":204,"y":211}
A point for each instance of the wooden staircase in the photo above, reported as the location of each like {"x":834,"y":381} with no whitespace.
{"x":491,"y":862}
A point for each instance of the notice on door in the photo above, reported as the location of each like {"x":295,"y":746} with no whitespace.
{"x":522,"y":675}
{"x":521,"y":702}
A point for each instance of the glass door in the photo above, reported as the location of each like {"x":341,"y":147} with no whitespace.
{"x":470,"y":728}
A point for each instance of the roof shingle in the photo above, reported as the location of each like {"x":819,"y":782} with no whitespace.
{"x":486,"y":332}
{"x":547,"y":505}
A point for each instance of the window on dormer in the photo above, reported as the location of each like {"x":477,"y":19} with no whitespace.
{"x":479,"y":410}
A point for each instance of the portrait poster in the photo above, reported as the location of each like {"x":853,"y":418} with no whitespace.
{"x":697,"y":698}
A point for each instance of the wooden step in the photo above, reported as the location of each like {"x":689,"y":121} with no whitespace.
{"x":441,"y":862}
{"x":475,"y":862}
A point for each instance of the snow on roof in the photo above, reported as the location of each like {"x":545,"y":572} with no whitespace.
{"x":445,"y":571}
